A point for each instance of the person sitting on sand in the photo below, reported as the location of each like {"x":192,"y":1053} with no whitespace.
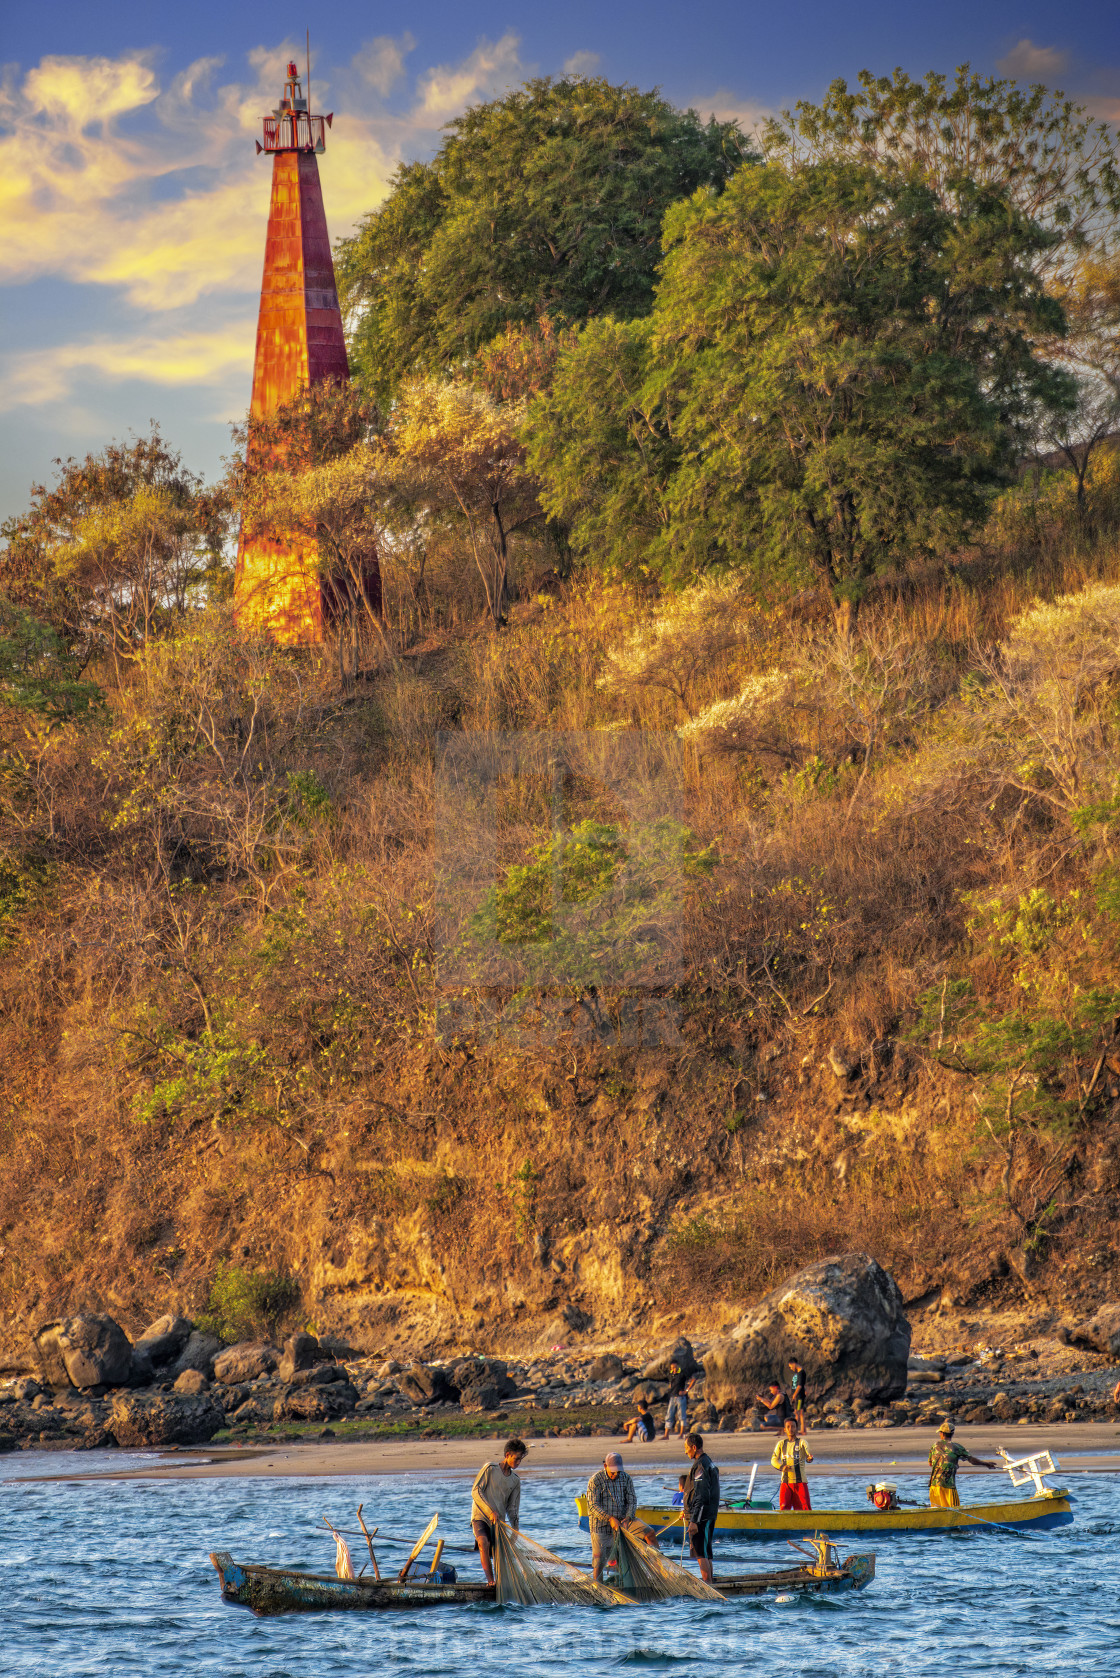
{"x":789,"y":1454}
{"x":776,"y":1407}
{"x":944,"y":1460}
{"x":496,"y":1496}
{"x":612,"y":1504}
{"x":641,"y":1427}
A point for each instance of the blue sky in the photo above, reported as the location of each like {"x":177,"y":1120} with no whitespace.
{"x":134,"y":204}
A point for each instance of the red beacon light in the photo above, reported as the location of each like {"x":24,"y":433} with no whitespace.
{"x":291,"y":127}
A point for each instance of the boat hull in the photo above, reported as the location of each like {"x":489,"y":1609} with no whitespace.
{"x":1036,"y":1513}
{"x":278,"y":1590}
{"x":275,"y":1590}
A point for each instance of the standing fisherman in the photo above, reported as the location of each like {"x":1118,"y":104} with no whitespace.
{"x":612,"y":1503}
{"x":944,"y":1460}
{"x":496,"y":1496}
{"x":701,"y":1503}
{"x":789,"y":1454}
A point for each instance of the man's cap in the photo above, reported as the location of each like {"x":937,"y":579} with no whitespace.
{"x":947,"y":1427}
{"x":612,"y":1460}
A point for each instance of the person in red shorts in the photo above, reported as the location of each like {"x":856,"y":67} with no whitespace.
{"x":790,"y":1453}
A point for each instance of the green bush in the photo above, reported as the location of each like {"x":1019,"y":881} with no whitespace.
{"x":247,"y":1304}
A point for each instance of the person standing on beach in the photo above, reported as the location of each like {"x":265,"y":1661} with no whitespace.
{"x":701,"y":1503}
{"x":680,"y":1385}
{"x":797,"y":1395}
{"x":496,"y":1496}
{"x":789,"y":1454}
{"x":944,"y":1460}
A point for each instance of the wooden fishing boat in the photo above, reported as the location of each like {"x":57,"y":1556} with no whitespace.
{"x":1051,"y":1509}
{"x":277,"y":1590}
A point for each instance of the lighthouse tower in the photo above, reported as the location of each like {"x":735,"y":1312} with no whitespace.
{"x":277,"y":585}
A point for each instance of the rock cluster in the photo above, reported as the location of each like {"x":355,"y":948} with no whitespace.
{"x":842,"y":1317}
{"x":179,"y":1386}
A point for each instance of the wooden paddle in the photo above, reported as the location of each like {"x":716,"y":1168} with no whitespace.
{"x":417,"y":1547}
{"x":434,"y":1569}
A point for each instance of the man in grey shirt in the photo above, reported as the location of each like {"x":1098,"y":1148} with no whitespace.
{"x":496,"y":1496}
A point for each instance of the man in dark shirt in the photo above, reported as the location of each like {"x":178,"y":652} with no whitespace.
{"x":680,"y":1385}
{"x":701,"y":1503}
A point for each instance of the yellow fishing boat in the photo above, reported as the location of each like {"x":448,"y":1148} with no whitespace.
{"x":885,"y":1512}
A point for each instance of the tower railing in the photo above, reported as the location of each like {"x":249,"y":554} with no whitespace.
{"x":295,"y":131}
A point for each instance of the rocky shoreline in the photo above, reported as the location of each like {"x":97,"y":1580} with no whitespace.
{"x":180,"y":1385}
{"x":257,"y":1391}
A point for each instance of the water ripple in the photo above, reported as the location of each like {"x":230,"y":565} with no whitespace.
{"x":110,"y":1579}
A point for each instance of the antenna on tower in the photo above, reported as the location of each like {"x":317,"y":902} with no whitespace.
{"x":309,"y":75}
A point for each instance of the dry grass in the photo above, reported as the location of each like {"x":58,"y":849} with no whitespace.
{"x":220,"y":991}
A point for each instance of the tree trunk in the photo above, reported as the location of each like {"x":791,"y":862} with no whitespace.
{"x":348,"y":647}
{"x":844,"y":614}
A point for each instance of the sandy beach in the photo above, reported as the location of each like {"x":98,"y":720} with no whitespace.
{"x":1080,"y":1448}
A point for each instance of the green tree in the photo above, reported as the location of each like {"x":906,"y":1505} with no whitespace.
{"x":836,"y":370}
{"x":601,"y":442}
{"x":548,"y":201}
{"x":461,"y":460}
{"x":117,"y":549}
{"x":1055,"y":163}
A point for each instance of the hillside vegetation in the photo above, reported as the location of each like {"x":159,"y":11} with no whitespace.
{"x":663,"y":896}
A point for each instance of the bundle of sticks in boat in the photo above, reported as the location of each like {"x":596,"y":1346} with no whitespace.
{"x":344,"y":1563}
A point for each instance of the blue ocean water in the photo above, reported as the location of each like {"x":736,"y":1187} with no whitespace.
{"x":113,"y":1577}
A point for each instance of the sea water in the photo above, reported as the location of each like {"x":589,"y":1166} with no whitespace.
{"x":103,"y":1577}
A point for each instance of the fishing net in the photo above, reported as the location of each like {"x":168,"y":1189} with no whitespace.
{"x":648,"y":1576}
{"x":527,"y":1572}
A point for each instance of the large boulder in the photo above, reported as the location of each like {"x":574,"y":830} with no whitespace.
{"x":301,"y":1351}
{"x":1102,"y":1332}
{"x":84,"y":1351}
{"x":246,"y":1361}
{"x":164,"y":1419}
{"x":319,"y":1375}
{"x":842,"y":1317}
{"x":48,"y":1353}
{"x":315,"y":1402}
{"x":481,"y":1383}
{"x":162,"y":1341}
{"x":427,"y":1384}
{"x":680,"y":1352}
{"x":192,"y":1381}
{"x":608,"y":1366}
{"x":198,"y":1353}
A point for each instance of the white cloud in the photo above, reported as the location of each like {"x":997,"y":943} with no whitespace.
{"x":726,"y":106}
{"x":582,"y":64}
{"x":1027,"y":62}
{"x":185,"y":357}
{"x":381,"y":63}
{"x":449,"y":89}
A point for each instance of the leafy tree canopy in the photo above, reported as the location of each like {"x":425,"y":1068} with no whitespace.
{"x":549,"y":201}
{"x":1055,"y":163}
{"x":118,"y":543}
{"x":834,"y":371}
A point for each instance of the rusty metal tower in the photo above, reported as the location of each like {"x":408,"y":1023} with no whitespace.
{"x":277,"y":586}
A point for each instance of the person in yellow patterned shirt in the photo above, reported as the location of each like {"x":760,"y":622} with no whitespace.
{"x":944,"y":1460}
